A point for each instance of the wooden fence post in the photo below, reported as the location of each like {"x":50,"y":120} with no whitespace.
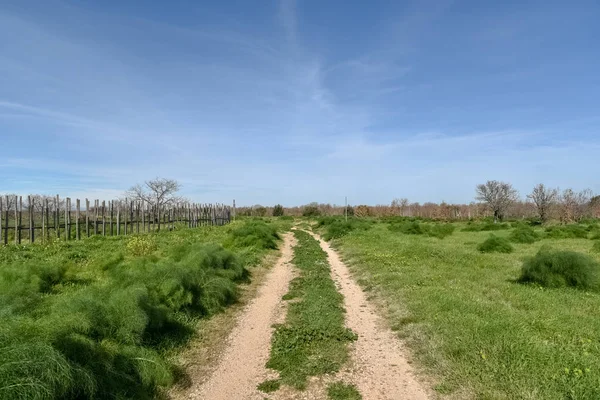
{"x":103,"y":218}
{"x":57,"y":217}
{"x":6,"y":222}
{"x":111,"y":217}
{"x":118,"y":218}
{"x":96,"y":206}
{"x":87,"y":217}
{"x":77,"y":215}
{"x":47,"y":232}
{"x":30,"y":204}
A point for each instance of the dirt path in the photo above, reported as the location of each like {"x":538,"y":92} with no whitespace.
{"x":379,"y":367}
{"x":242,"y":366}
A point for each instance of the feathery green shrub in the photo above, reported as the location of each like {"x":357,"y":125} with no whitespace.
{"x":523,"y":234}
{"x":495,"y":244}
{"x":551,"y":268}
{"x":485,"y":226}
{"x":567,"y":232}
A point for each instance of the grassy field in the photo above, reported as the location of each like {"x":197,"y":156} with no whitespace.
{"x":102,"y":317}
{"x":473,"y":328}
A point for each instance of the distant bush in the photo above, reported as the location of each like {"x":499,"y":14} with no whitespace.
{"x":440,"y":230}
{"x":416,"y":228}
{"x":523,"y":234}
{"x":255,"y":233}
{"x":278,"y":210}
{"x":311,"y":210}
{"x":408,"y":228}
{"x":328,"y":220}
{"x":567,"y":232}
{"x":495,"y":244}
{"x":485,"y":226}
{"x":552,"y":268}
{"x":339,"y":228}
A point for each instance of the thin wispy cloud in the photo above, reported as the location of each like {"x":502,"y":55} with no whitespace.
{"x":294,"y":102}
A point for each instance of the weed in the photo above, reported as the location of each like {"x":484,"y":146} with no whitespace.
{"x":495,"y":244}
{"x":550,"y":268}
{"x":523,"y":234}
{"x":342,"y":391}
{"x":269,"y":386}
{"x":567,"y":232}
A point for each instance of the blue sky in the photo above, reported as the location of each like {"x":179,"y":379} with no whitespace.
{"x":298,"y":101}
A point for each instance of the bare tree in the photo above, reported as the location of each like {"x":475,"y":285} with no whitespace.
{"x":158,"y":192}
{"x":544,"y":198}
{"x":498,"y":196}
{"x":574,"y":205}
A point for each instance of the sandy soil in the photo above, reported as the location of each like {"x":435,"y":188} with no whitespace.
{"x":242,"y":366}
{"x":379,"y":366}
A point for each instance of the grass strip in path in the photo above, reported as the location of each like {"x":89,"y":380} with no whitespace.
{"x":313,"y":340}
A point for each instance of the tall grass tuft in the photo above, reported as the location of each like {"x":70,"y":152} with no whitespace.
{"x":485,"y":226}
{"x":495,"y":244}
{"x":551,"y":268}
{"x":567,"y":232}
{"x":416,"y":228}
{"x":255,"y":233}
{"x":523,"y":234}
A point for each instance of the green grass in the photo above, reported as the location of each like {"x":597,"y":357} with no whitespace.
{"x":269,"y":386}
{"x":550,"y":268}
{"x":495,"y":244}
{"x":342,"y":391}
{"x":439,"y":231}
{"x":471,"y":326}
{"x":313,"y":340}
{"x":100,"y":318}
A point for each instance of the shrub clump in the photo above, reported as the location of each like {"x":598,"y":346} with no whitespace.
{"x":596,"y":247}
{"x":551,"y":268}
{"x":485,"y":226}
{"x":278,"y":210}
{"x":255,"y":233}
{"x":495,"y":244}
{"x":567,"y":232}
{"x":524,"y":234}
{"x":339,"y":228}
{"x":416,"y":228}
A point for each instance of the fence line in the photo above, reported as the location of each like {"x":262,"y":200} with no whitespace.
{"x":99,"y":219}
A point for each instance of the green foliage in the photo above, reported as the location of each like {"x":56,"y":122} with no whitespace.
{"x":141,"y":245}
{"x":485,"y":226}
{"x":311,"y":210}
{"x":596,"y":247}
{"x":342,"y":391}
{"x":550,"y":268}
{"x":269,"y":386}
{"x":465,"y":320}
{"x":567,"y":232}
{"x":495,"y":244}
{"x":255,"y":233}
{"x":278,"y":210}
{"x":416,"y":228}
{"x":81,"y":320}
{"x":523,"y":234}
{"x":313,"y":339}
{"x":339,"y":228}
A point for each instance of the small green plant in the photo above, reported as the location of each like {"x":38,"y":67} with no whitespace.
{"x":523,"y":234}
{"x":340,"y":228}
{"x":596,"y":247}
{"x":255,"y":233}
{"x":342,"y":391}
{"x":141,"y":245}
{"x":567,"y":232}
{"x":278,"y":210}
{"x":551,"y":268}
{"x":485,"y":226}
{"x":495,"y":244}
{"x":269,"y":386}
